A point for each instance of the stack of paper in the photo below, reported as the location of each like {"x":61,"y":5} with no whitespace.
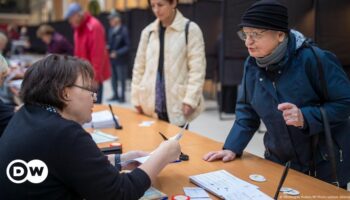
{"x":226,"y":186}
{"x":101,"y":137}
{"x":101,"y":119}
{"x":196,"y":193}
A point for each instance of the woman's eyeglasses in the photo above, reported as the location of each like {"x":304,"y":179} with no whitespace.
{"x":252,"y":35}
{"x":93,"y":92}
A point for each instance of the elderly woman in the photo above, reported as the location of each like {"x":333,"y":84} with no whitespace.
{"x":281,"y":87}
{"x":169,"y":68}
{"x":58,"y":99}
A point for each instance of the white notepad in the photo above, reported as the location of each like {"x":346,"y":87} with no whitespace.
{"x":229,"y":187}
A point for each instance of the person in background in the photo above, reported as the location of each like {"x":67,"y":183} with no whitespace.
{"x":22,"y":45}
{"x":169,"y":68}
{"x":90,"y":44}
{"x":3,"y":42}
{"x":12,"y":32}
{"x":281,"y":86}
{"x":6,"y":111}
{"x":6,"y":97}
{"x":56,"y":43}
{"x":119,"y":46}
{"x":58,"y":98}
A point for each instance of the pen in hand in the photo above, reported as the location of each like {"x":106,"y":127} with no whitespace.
{"x":183,"y":157}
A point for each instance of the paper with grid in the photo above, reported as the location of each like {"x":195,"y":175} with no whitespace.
{"x":229,"y":187}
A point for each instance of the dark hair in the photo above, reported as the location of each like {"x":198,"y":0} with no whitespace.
{"x":46,"y":79}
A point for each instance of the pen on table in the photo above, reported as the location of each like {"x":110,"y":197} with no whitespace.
{"x":117,"y":126}
{"x":183,"y":156}
{"x":283,"y":178}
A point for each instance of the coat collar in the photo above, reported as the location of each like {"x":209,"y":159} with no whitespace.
{"x":177,"y":25}
{"x":84,"y":22}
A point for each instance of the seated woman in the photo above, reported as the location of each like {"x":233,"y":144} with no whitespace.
{"x":58,"y":99}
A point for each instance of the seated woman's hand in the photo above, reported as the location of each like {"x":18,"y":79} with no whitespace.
{"x":129,"y":156}
{"x":169,"y":150}
{"x":224,"y":155}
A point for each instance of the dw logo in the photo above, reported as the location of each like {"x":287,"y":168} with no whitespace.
{"x":35,"y":171}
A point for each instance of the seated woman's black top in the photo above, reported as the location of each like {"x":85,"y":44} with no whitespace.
{"x":76,"y":167}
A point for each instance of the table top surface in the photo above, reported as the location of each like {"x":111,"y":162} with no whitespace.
{"x":175,"y":176}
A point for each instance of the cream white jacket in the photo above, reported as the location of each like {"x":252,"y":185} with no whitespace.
{"x":184,"y":69}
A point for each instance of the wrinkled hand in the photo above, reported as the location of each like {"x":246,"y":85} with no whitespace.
{"x":225,"y":155}
{"x":129,"y":156}
{"x":139,"y":109}
{"x":292,"y":114}
{"x":187,"y":110}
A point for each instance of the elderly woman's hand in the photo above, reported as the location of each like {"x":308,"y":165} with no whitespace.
{"x":224,"y":155}
{"x":292,"y":114}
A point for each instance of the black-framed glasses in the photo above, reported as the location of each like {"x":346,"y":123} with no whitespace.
{"x":89,"y":89}
{"x":253,"y":35}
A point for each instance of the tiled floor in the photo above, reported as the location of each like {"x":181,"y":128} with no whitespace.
{"x":207,"y":124}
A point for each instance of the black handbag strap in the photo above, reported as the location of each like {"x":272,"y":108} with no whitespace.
{"x":329,"y":143}
{"x":321,"y":77}
{"x":327,"y":130}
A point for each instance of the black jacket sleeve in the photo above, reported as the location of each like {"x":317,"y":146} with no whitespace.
{"x":81,"y":166}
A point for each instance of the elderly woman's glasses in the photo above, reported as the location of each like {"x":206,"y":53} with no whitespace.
{"x":93,"y":92}
{"x":252,"y":35}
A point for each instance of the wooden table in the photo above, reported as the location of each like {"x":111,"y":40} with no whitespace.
{"x":175,"y":176}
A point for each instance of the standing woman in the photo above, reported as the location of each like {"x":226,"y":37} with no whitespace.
{"x":169,"y":69}
{"x":281,"y":86}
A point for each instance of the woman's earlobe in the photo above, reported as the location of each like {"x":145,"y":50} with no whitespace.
{"x":65,"y":95}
